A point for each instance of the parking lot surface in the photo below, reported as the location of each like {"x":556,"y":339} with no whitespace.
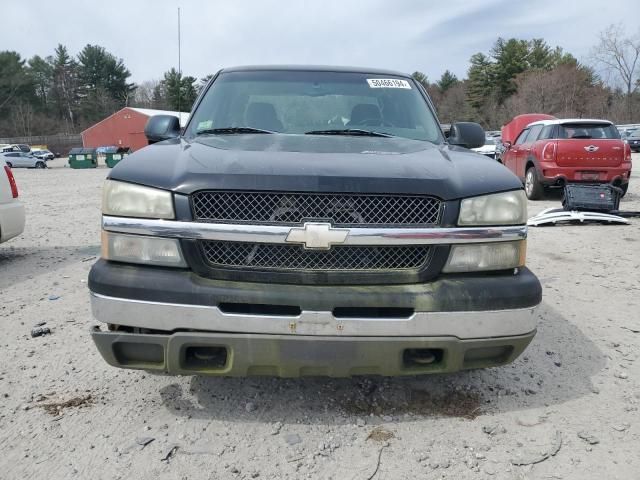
{"x":566,"y":409}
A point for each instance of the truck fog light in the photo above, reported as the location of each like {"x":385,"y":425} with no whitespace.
{"x":486,"y":256}
{"x":140,"y":249}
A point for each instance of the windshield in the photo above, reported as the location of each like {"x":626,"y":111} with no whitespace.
{"x":299,"y":102}
{"x":489,"y":141}
{"x":587,"y":131}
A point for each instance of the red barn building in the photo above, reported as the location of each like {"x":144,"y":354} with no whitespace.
{"x":125,"y":128}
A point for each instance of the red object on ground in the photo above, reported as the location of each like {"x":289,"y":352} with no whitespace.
{"x":511,"y":130}
{"x":12,"y":182}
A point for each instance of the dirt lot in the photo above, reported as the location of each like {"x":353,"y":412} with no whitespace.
{"x":567,"y":409}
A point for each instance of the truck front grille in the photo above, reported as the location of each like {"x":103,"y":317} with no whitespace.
{"x":270,"y":257}
{"x":341,"y":209}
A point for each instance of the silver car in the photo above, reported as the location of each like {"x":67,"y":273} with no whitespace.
{"x":22,"y":159}
{"x":43,"y":154}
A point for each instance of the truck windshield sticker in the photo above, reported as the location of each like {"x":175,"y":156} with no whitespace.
{"x":206,"y":125}
{"x":388,"y":83}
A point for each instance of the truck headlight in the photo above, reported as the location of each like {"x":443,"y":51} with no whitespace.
{"x":130,"y":200}
{"x":158,"y":251}
{"x":507,"y":208}
{"x":479,"y":257}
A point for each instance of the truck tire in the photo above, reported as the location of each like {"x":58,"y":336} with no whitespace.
{"x":532,"y":186}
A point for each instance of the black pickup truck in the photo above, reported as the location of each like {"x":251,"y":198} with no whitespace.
{"x":312,"y":221}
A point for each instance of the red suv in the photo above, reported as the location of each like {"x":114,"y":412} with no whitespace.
{"x":552,"y":152}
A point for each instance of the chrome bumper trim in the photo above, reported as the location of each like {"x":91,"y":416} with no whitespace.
{"x":278,"y":234}
{"x":171,"y":316}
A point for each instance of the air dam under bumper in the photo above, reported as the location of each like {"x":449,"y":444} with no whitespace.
{"x":223,"y":354}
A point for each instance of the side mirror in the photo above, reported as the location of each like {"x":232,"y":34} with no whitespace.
{"x":162,"y":127}
{"x":507,"y":145}
{"x":467,"y":135}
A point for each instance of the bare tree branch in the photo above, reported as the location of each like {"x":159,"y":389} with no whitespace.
{"x":619,"y":54}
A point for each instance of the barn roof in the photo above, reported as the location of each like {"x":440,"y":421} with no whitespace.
{"x":150,"y":112}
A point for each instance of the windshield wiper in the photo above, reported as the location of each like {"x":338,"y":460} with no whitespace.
{"x":231,"y":131}
{"x":349,"y":131}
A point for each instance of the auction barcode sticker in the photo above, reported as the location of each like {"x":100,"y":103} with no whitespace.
{"x":388,"y":83}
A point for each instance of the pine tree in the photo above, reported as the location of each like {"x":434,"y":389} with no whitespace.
{"x":41,"y":72}
{"x":103,"y":86}
{"x":447,"y":80}
{"x":510,"y":60}
{"x":180,"y":92}
{"x":64,"y":90}
{"x":421,"y":78}
{"x":480,"y":83}
{"x":15,"y":82}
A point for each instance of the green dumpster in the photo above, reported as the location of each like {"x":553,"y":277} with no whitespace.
{"x":83,"y":158}
{"x":113,"y":155}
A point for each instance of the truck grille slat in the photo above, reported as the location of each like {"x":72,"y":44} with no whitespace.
{"x":295,"y":258}
{"x":341,"y":209}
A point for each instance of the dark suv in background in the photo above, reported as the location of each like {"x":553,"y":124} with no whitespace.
{"x":633,"y":139}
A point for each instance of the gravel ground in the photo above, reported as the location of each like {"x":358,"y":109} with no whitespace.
{"x":567,"y":409}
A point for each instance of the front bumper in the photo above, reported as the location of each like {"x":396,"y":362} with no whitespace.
{"x":157,"y":315}
{"x":171,"y":317}
{"x":449,"y":293}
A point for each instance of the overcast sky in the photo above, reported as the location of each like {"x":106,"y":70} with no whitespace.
{"x":405,"y":35}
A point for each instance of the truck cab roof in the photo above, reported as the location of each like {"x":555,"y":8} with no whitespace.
{"x":314,"y":68}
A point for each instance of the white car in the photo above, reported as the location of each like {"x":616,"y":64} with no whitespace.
{"x":489,"y":147}
{"x":11,"y":209}
{"x":22,"y":159}
{"x":43,"y":154}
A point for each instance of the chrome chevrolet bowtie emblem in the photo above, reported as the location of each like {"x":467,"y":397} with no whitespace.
{"x":318,"y":236}
{"x":592,"y":148}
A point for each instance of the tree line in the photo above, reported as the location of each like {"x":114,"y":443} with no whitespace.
{"x":62,"y":93}
{"x":518,"y":76}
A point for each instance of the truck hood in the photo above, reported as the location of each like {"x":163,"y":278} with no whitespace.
{"x":315,"y":163}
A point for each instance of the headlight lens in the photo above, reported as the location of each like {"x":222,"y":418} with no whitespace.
{"x":486,"y":256}
{"x":140,"y":249}
{"x":129,"y":200}
{"x":508,"y":208}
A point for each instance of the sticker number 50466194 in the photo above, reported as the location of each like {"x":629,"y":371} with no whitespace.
{"x":388,"y":83}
